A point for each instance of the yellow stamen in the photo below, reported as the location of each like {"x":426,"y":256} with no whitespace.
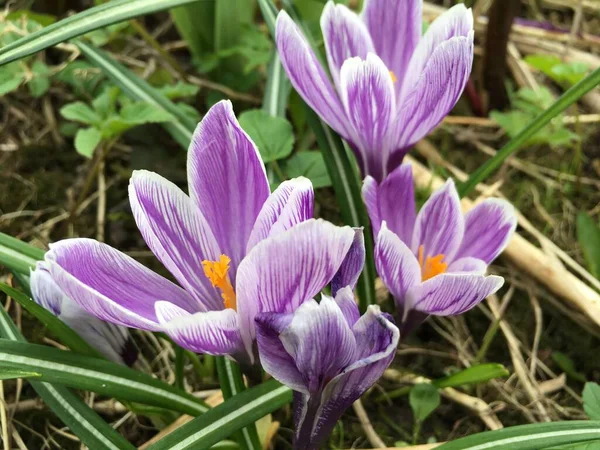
{"x":393,"y":75}
{"x":216,"y":272}
{"x":432,"y":266}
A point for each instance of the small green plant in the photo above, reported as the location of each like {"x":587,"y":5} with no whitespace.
{"x":565,"y":74}
{"x":423,"y":399}
{"x":588,"y":235}
{"x":591,"y":400}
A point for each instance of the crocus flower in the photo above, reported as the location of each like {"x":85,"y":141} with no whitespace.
{"x":390,"y":85}
{"x":328,"y":355}
{"x":110,"y":340}
{"x":203,"y":241}
{"x":434,"y":262}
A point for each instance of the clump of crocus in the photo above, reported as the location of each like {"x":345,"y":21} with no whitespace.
{"x":434,"y":262}
{"x":391,"y":86}
{"x":112,"y":341}
{"x":227,"y":243}
{"x":328,"y":355}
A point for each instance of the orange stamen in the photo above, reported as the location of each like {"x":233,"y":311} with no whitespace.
{"x":216,"y":272}
{"x":393,"y":75}
{"x":431,"y":266}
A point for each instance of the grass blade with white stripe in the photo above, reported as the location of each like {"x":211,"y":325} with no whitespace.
{"x":18,"y":255}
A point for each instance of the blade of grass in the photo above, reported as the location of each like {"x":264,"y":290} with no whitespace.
{"x":18,"y":255}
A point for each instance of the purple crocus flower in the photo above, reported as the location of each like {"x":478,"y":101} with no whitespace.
{"x":434,"y":262}
{"x":230,"y":232}
{"x":328,"y":355}
{"x":390,"y":85}
{"x":110,"y":340}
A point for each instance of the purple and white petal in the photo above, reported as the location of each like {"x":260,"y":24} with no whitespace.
{"x":345,"y":36}
{"x":44,"y":289}
{"x":347,"y":304}
{"x":395,"y":27}
{"x":111,"y":285}
{"x":396,"y":264}
{"x":320,"y":342}
{"x":392,"y":201}
{"x":488,"y":228}
{"x":177,"y":233}
{"x":281,"y":273}
{"x":212,"y":332}
{"x":450,"y":294}
{"x":273,"y":356}
{"x":440,"y":224}
{"x":352,"y":266}
{"x":468,"y":264}
{"x":227,"y":179}
{"x":367,"y":92}
{"x":306,"y":74}
{"x":291,"y":203}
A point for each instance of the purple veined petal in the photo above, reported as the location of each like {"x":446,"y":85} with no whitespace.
{"x":177,"y":233}
{"x":456,"y":22}
{"x":320,"y":341}
{"x":450,"y":294}
{"x":291,"y":203}
{"x":488,"y":229}
{"x":367,"y":93}
{"x":468,"y":264}
{"x":347,"y":304}
{"x":273,"y":356}
{"x":111,"y":285}
{"x":44,"y":289}
{"x":392,"y":201}
{"x":352,"y":266}
{"x":440,"y":224}
{"x":395,"y":27}
{"x":227,"y":180}
{"x":212,"y":332}
{"x":307,"y":75}
{"x":345,"y":36}
{"x":281,"y":273}
{"x":396,"y":264}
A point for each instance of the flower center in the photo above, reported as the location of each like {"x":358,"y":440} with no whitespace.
{"x":432,"y":265}
{"x":393,"y":75}
{"x":216,"y":272}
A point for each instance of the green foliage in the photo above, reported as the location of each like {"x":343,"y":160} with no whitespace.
{"x":423,"y":399}
{"x":16,"y":373}
{"x":527,"y":105}
{"x":178,"y":90}
{"x":591,"y":400}
{"x":273,"y":136}
{"x":567,"y":365}
{"x":309,"y":164}
{"x":473,"y":375}
{"x":565,"y":74}
{"x":588,"y":235}
{"x":103,"y":36}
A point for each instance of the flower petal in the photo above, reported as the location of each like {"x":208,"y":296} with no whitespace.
{"x":212,"y":332}
{"x":306,"y":74}
{"x":345,"y":36}
{"x":392,"y":201}
{"x":111,"y":285}
{"x":347,"y":304}
{"x":440,"y":224}
{"x":468,"y":264}
{"x":319,"y":341}
{"x":395,"y":27}
{"x":450,"y":294}
{"x":488,"y":228}
{"x":282,"y":272}
{"x":273,"y":356}
{"x":367,"y":93}
{"x":176,"y":232}
{"x":396,"y":264}
{"x":227,"y":179}
{"x":352,"y":266}
{"x":291,"y":203}
{"x":44,"y":289}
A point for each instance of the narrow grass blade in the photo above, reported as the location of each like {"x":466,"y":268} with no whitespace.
{"x":96,"y":375}
{"x":277,"y":89}
{"x":473,"y":375}
{"x":529,"y":437}
{"x":195,"y":23}
{"x":515,"y":144}
{"x":18,"y":255}
{"x":84,"y":22}
{"x":222,"y":421}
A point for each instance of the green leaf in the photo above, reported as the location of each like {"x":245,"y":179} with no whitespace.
{"x":309,"y":164}
{"x":139,"y":113}
{"x":224,"y":420}
{"x":529,"y":437}
{"x":40,"y":83}
{"x":80,"y":112}
{"x":178,"y":90}
{"x":591,"y":400}
{"x":42,"y":19}
{"x":91,"y":19}
{"x":11,"y":77}
{"x":105,"y":105}
{"x":83,"y":77}
{"x":86,"y":141}
{"x":277,"y":89}
{"x":273,"y":136}
{"x":12,"y":258}
{"x":592,"y":445}
{"x":12,"y":374}
{"x":567,"y":365}
{"x":423,"y":399}
{"x":473,"y":375}
{"x":515,"y":144}
{"x":588,"y":235}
